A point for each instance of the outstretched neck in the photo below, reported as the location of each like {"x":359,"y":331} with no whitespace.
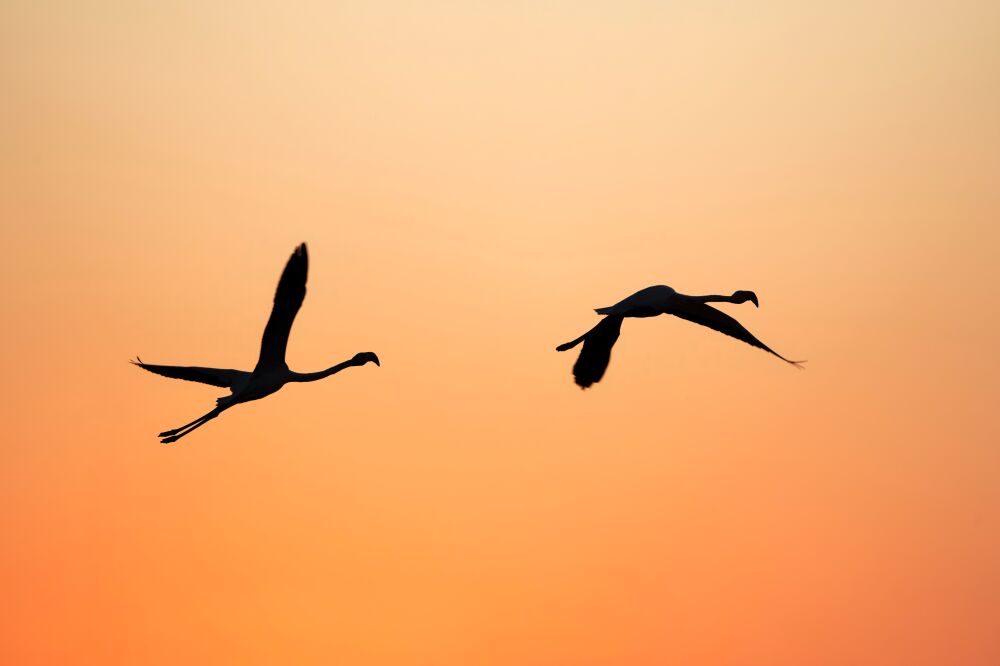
{"x":741,"y":296}
{"x":717,"y":299}
{"x":313,"y":376}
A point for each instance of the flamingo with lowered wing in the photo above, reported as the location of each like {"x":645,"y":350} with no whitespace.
{"x":650,"y":302}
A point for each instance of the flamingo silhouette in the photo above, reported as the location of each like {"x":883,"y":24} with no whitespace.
{"x":650,"y":302}
{"x":271,"y":372}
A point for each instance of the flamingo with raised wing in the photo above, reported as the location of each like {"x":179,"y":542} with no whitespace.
{"x":271,"y":372}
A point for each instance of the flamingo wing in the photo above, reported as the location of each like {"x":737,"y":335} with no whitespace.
{"x":223,"y":378}
{"x":596,"y":353}
{"x":287,"y":301}
{"x":706,"y":315}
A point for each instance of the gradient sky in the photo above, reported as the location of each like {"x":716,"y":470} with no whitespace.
{"x":472,"y":178}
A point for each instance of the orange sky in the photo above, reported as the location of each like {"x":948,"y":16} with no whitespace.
{"x":471,"y":179}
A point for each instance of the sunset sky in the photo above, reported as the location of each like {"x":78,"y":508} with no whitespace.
{"x":472,"y":178}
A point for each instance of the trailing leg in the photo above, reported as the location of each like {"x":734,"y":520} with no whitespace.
{"x":170,"y":436}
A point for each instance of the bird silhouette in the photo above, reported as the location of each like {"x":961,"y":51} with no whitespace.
{"x":650,"y":302}
{"x":271,"y":372}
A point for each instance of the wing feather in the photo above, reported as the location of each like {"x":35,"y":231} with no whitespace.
{"x":223,"y":378}
{"x":706,"y":315}
{"x":287,"y":301}
{"x":596,"y":353}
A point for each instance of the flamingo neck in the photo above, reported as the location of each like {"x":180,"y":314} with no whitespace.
{"x":717,"y":299}
{"x":313,"y":376}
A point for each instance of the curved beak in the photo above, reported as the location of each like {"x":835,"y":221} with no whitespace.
{"x":753,"y":299}
{"x":375,"y":360}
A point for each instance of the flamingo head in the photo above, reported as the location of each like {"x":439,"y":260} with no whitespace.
{"x":365,"y":357}
{"x":744,"y":296}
